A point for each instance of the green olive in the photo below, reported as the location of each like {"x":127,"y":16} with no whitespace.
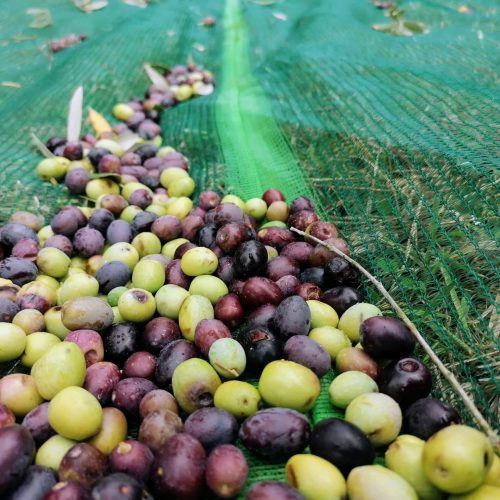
{"x":180,"y":207}
{"x":115,"y":294}
{"x":54,"y":324}
{"x":277,"y":211}
{"x":122,"y":252}
{"x":30,"y":320}
{"x":98,"y":187}
{"x":183,"y":92}
{"x":111,"y":146}
{"x":198,"y":261}
{"x":87,"y":313}
{"x":48,"y":280}
{"x":256,"y":207}
{"x":331,"y":339}
{"x":148,"y":275}
{"x":19,"y":393}
{"x":209,"y":286}
{"x":169,"y":299}
{"x":78,"y":262}
{"x":52,"y":261}
{"x":37,"y":344}
{"x":75,"y":413}
{"x":171,"y":246}
{"x":159,"y":210}
{"x":128,"y":213}
{"x":172,"y":174}
{"x":112,"y":432}
{"x":274,"y":223}
{"x":51,"y":453}
{"x":182,"y":187}
{"x":239,"y":398}
{"x":137,"y":305}
{"x":164,"y":151}
{"x":236,"y":200}
{"x":77,"y":285}
{"x":12,"y":341}
{"x":53,"y":168}
{"x":322,"y":314}
{"x":44,"y":234}
{"x":193,"y":310}
{"x":146,"y":244}
{"x":122,"y":111}
{"x":62,"y":366}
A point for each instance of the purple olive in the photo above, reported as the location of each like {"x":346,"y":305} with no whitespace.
{"x":341,"y":298}
{"x":170,"y":357}
{"x":128,"y":393}
{"x":273,"y":490}
{"x":292,"y":317}
{"x":263,"y":316}
{"x":277,"y":237}
{"x":301,"y":203}
{"x":60,"y":242}
{"x":76,"y":180}
{"x":229,"y":310}
{"x":281,"y":266}
{"x":227,"y":471}
{"x":160,"y":332}
{"x":302,"y":219}
{"x":207,"y":332}
{"x":83,"y":463}
{"x":167,"y":227}
{"x":19,"y":271}
{"x":132,"y":457}
{"x":299,"y":251}
{"x":140,"y":364}
{"x":174,"y":275}
{"x":258,"y":291}
{"x":191,"y":224}
{"x":37,"y":422}
{"x":119,"y":231}
{"x":306,"y":352}
{"x":288,"y":285}
{"x":100,"y":219}
{"x":25,"y":249}
{"x":8,"y":310}
{"x":208,"y":200}
{"x":226,"y":270}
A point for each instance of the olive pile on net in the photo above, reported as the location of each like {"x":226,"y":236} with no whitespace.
{"x":166,"y":342}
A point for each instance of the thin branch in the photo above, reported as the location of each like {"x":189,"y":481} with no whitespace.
{"x":447,"y":374}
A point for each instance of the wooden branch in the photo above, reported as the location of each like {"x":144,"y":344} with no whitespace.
{"x":447,"y":374}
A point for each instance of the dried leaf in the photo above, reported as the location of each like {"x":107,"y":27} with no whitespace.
{"x":41,"y":146}
{"x":13,"y":85}
{"x":98,"y":122}
{"x":137,"y":3}
{"x":156,"y":78}
{"x":128,"y":140}
{"x":42,"y":18}
{"x":280,"y":16}
{"x":89,"y":6}
{"x":402,"y":28}
{"x":75,"y":116}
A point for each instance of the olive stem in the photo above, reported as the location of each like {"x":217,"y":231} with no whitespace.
{"x":447,"y":374}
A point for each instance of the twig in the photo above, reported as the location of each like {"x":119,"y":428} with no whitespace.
{"x":467,"y":400}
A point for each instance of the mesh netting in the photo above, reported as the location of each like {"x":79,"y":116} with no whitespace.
{"x":394,"y":138}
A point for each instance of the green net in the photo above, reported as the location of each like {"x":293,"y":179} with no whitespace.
{"x":394,"y":138}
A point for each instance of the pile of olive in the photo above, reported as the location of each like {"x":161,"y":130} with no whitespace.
{"x":143,"y":320}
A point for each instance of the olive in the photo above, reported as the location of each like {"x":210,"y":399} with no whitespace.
{"x":208,"y":200}
{"x":207,"y":332}
{"x":350,"y":358}
{"x":12,"y":341}
{"x":160,"y":332}
{"x":118,"y":486}
{"x":225,"y":269}
{"x":7,"y":417}
{"x":120,"y":341}
{"x":67,"y":490}
{"x":88,"y":242}
{"x":128,"y":393}
{"x":167,"y":227}
{"x":301,"y":203}
{"x":292,"y":317}
{"x":272,"y":195}
{"x":83,"y":463}
{"x":301,"y":349}
{"x":8,"y":310}
{"x":137,"y":305}
{"x":60,"y":242}
{"x":157,"y":400}
{"x":18,"y":450}
{"x":231,"y":235}
{"x":314,"y":275}
{"x":301,"y":219}
{"x":100,"y":219}
{"x":19,"y":271}
{"x":258,"y":291}
{"x":87,"y":313}
{"x":226,"y":471}
{"x":273,"y":490}
{"x":207,"y":235}
{"x":341,"y":298}
{"x":229,"y":310}
{"x":133,"y":458}
{"x":119,"y":231}
{"x":101,"y":379}
{"x":76,"y":180}
{"x":277,"y":237}
{"x":25,"y":249}
{"x":227,"y":212}
{"x":158,"y":427}
{"x":36,"y":483}
{"x":111,"y":275}
{"x":339,"y":272}
{"x":68,"y":220}
{"x":261,"y":347}
{"x":11,"y":233}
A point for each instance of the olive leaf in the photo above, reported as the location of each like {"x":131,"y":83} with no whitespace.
{"x":42,"y":18}
{"x":75,"y":116}
{"x":156,"y":78}
{"x":41,"y":146}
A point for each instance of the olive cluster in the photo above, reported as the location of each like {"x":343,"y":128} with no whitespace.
{"x":149,"y":312}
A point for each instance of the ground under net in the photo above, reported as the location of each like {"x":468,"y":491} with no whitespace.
{"x":394,"y":138}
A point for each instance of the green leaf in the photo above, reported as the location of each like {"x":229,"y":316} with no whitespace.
{"x":402,"y":28}
{"x":114,"y":177}
{"x":41,"y":146}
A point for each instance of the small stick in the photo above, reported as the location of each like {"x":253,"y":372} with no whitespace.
{"x":468,"y":402}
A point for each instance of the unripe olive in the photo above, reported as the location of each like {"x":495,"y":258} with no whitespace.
{"x":98,"y":187}
{"x":181,"y":187}
{"x":53,"y":168}
{"x":180,"y":207}
{"x":146,"y":244}
{"x":170,"y":175}
{"x":137,"y":305}
{"x":53,"y":262}
{"x":148,"y":275}
{"x":169,"y":299}
{"x":37,"y":344}
{"x":209,"y":286}
{"x":171,"y":246}
{"x":12,"y":341}
{"x":198,"y":261}
{"x":122,"y":252}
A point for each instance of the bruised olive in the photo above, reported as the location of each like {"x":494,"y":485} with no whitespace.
{"x":25,"y":249}
{"x":276,"y":237}
{"x":302,"y":219}
{"x":158,"y":427}
{"x":132,"y":457}
{"x":19,"y":271}
{"x":308,"y":291}
{"x":83,"y":463}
